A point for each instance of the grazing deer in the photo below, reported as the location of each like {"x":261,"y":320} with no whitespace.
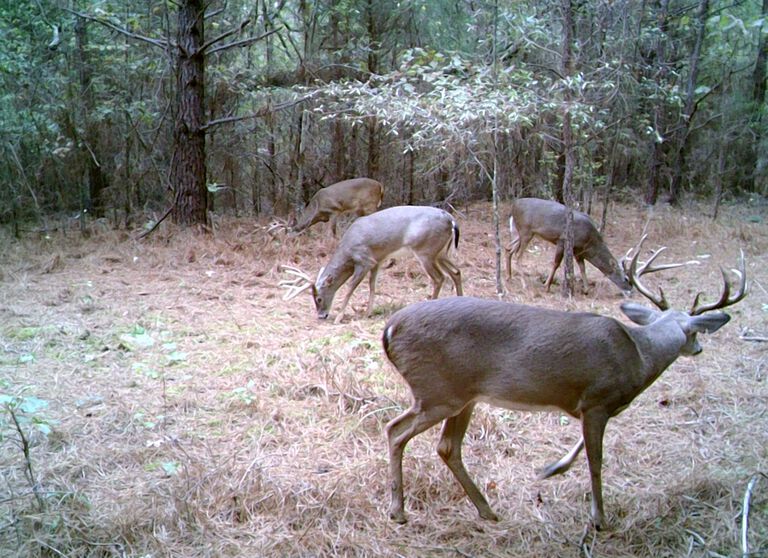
{"x":359,"y":196}
{"x":456,"y":352}
{"x":428,"y":232}
{"x":546,"y":219}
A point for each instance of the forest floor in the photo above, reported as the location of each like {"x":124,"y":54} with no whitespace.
{"x":172,"y":404}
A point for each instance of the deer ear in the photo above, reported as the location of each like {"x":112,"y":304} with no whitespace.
{"x":639,"y":314}
{"x":708,"y":323}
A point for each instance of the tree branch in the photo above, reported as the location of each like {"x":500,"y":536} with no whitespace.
{"x":258,"y":114}
{"x":224,"y":35}
{"x":242,"y":43}
{"x":164,"y":44}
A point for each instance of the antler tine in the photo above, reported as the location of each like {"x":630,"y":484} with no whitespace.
{"x":633,"y":273}
{"x":725,"y":295}
{"x":291,"y":270}
{"x":634,"y":278}
{"x":276,"y":226}
{"x":300,"y":283}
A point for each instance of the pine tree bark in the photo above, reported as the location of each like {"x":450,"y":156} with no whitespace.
{"x":569,"y":155}
{"x":752,"y":162}
{"x":657,"y":153}
{"x":94,"y":177}
{"x":678,"y":163}
{"x":188,"y":165}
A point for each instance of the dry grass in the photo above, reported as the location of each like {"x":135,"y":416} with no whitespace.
{"x":248,"y":428}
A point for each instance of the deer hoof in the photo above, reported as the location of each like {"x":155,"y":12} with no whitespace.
{"x":489,"y":515}
{"x":398,"y":517}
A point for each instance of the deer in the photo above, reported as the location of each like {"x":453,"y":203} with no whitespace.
{"x":546,"y":219}
{"x":358,"y":196}
{"x":456,"y":352}
{"x":428,"y":232}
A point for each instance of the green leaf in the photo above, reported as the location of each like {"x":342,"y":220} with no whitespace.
{"x":32,"y":405}
{"x":177,"y":356}
{"x":170,"y":467}
{"x":134,"y":341}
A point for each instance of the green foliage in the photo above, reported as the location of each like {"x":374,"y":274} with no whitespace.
{"x":21,"y":413}
{"x":110,"y":98}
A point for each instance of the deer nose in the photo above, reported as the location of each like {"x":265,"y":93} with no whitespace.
{"x":694,"y":348}
{"x":322,"y":315}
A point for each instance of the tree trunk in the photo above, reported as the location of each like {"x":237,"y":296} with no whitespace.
{"x":96,"y":180}
{"x":678,"y":164}
{"x":338,"y":149}
{"x":752,"y":161}
{"x":659,"y":129}
{"x":188,"y":171}
{"x":373,"y":67}
{"x":568,"y":152}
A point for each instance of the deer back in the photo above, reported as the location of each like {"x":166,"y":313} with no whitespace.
{"x":546,"y":219}
{"x":359,"y":195}
{"x":385,"y":232}
{"x":515,"y":356}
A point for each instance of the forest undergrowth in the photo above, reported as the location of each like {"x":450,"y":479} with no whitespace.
{"x":161,"y":399}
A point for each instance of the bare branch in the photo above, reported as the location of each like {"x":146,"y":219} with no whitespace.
{"x":224,"y":35}
{"x":164,"y":43}
{"x":242,"y":43}
{"x":258,"y":114}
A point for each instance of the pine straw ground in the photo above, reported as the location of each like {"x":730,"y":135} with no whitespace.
{"x":196,"y":414}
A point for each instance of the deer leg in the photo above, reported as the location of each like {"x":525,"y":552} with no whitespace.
{"x":434,"y":272}
{"x":518,"y":246}
{"x":593,"y":428}
{"x":449,"y":449}
{"x":448,"y":267}
{"x":372,"y":288}
{"x":399,"y":431}
{"x":561,"y":466}
{"x":555,"y":264}
{"x":510,"y":251}
{"x":522,"y":243}
{"x":583,"y":269}
{"x":357,"y":276}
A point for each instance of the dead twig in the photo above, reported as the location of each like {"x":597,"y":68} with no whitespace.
{"x":745,"y":515}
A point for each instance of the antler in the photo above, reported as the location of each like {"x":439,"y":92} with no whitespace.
{"x":633,"y":273}
{"x":300,"y":283}
{"x":276,"y":226}
{"x":725,"y":298}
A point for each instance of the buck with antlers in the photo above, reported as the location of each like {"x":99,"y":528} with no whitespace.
{"x":428,"y":232}
{"x":357,"y":196}
{"x":546,"y":219}
{"x":456,"y":352}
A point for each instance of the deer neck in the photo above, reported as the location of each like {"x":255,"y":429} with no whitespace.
{"x":601,"y":258}
{"x":658,"y":344}
{"x":307,"y":216}
{"x":339,"y":269}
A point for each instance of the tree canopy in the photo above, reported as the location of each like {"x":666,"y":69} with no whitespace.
{"x":437,"y":100}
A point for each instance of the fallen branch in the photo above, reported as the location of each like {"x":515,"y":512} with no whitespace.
{"x":746,"y":335}
{"x":157,"y":223}
{"x":745,"y":515}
